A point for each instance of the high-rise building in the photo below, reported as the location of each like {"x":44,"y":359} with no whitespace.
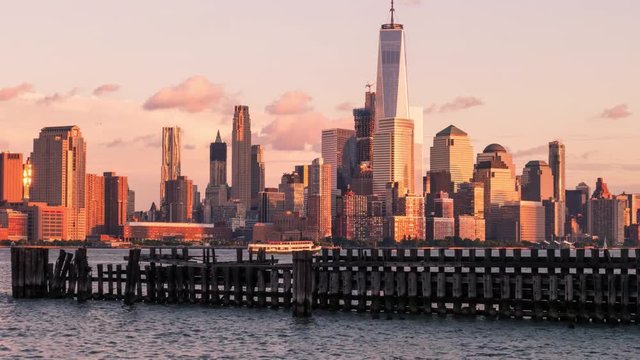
{"x":116,"y":191}
{"x":441,"y":224}
{"x":336,"y":148}
{"x":555,"y":215}
{"x":94,"y":192}
{"x":59,"y":161}
{"x":409,"y":223}
{"x":131,"y":204}
{"x":469,"y":199}
{"x":10,"y":177}
{"x":241,"y":176}
{"x":557,"y":165}
{"x":392,"y":95}
{"x":393,"y":155}
{"x":393,"y":141}
{"x":218,"y":162}
{"x":522,"y":221}
{"x":319,"y":199}
{"x":293,"y":193}
{"x":495,"y":169}
{"x":257,"y":174}
{"x":537,"y":182}
{"x":452,"y":152}
{"x":179,"y":198}
{"x":271,"y":204}
{"x":171,"y":147}
{"x":302,"y":172}
{"x":364,"y":119}
{"x":353,"y":217}
{"x":606,"y":215}
{"x":470,"y":227}
{"x":577,"y":206}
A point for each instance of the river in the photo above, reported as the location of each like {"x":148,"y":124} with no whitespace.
{"x":64,"y":329}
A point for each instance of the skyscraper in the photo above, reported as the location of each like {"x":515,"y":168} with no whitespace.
{"x":452,"y":152}
{"x":59,"y":161}
{"x":218,"y":162}
{"x":557,"y":164}
{"x":10,"y":177}
{"x":334,"y":147}
{"x":495,"y":169}
{"x":241,"y":156}
{"x":393,"y":155}
{"x":537,"y":182}
{"x":94,"y":192}
{"x":319,"y":203}
{"x":392,"y":95}
{"x":179,"y":200}
{"x":606,"y":215}
{"x":257,"y":174}
{"x":171,"y":145}
{"x":116,"y":192}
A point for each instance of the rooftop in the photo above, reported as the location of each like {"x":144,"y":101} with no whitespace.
{"x":451,"y":131}
{"x":494,"y":148}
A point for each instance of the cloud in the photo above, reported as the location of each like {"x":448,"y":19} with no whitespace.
{"x":57,"y":97}
{"x":345,"y":106}
{"x":195,"y":94}
{"x":150,"y":140}
{"x":291,"y":102}
{"x":457,"y":104}
{"x":300,"y":132}
{"x":190,"y":147}
{"x":9,"y":93}
{"x":617,"y":112}
{"x":114,"y":143}
{"x":106,"y":88}
{"x":542,"y":149}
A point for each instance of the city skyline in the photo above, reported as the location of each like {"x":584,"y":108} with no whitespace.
{"x":602,"y":105}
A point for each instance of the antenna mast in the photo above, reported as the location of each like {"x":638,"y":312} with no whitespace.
{"x":392,"y":11}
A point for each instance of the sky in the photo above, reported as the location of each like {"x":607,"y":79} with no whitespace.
{"x":519,"y":73}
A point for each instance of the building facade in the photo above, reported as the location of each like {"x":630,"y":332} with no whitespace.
{"x":171,"y":149}
{"x":241,"y":156}
{"x":59,"y":163}
{"x":178,"y":199}
{"x":116,"y":193}
{"x":452,"y":152}
{"x":257,"y":173}
{"x":11,"y":188}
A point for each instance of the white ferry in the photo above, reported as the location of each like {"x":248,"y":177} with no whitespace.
{"x":283,"y":247}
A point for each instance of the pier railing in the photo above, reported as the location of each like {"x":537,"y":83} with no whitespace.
{"x":572,"y":285}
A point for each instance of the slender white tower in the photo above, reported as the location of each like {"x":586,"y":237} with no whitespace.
{"x":393,"y":140}
{"x":392,"y":95}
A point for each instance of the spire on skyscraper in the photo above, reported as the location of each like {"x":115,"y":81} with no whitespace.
{"x":218,"y":138}
{"x":393,"y":10}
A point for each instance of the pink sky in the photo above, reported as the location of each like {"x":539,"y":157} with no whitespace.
{"x":520,"y":73}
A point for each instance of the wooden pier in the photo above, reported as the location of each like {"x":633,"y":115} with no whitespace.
{"x":592,"y":285}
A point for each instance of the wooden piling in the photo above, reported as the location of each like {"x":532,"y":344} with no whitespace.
{"x":302,"y":287}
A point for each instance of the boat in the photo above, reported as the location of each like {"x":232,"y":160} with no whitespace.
{"x":284,"y":247}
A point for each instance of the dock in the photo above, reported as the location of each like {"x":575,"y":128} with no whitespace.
{"x":582,"y":285}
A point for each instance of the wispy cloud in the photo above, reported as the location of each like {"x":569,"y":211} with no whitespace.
{"x":345,"y":106}
{"x":11,"y":92}
{"x":106,"y":88}
{"x":195,"y":94}
{"x":537,"y":150}
{"x":457,"y":104}
{"x":286,"y":132}
{"x":57,"y":97}
{"x":291,"y":102}
{"x":617,"y":112}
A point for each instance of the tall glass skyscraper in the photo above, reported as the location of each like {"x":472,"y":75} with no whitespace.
{"x":241,"y":156}
{"x":393,"y":141}
{"x":171,"y":140}
{"x":392,"y":95}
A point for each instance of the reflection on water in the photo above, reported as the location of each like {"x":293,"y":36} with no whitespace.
{"x":108,"y":329}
